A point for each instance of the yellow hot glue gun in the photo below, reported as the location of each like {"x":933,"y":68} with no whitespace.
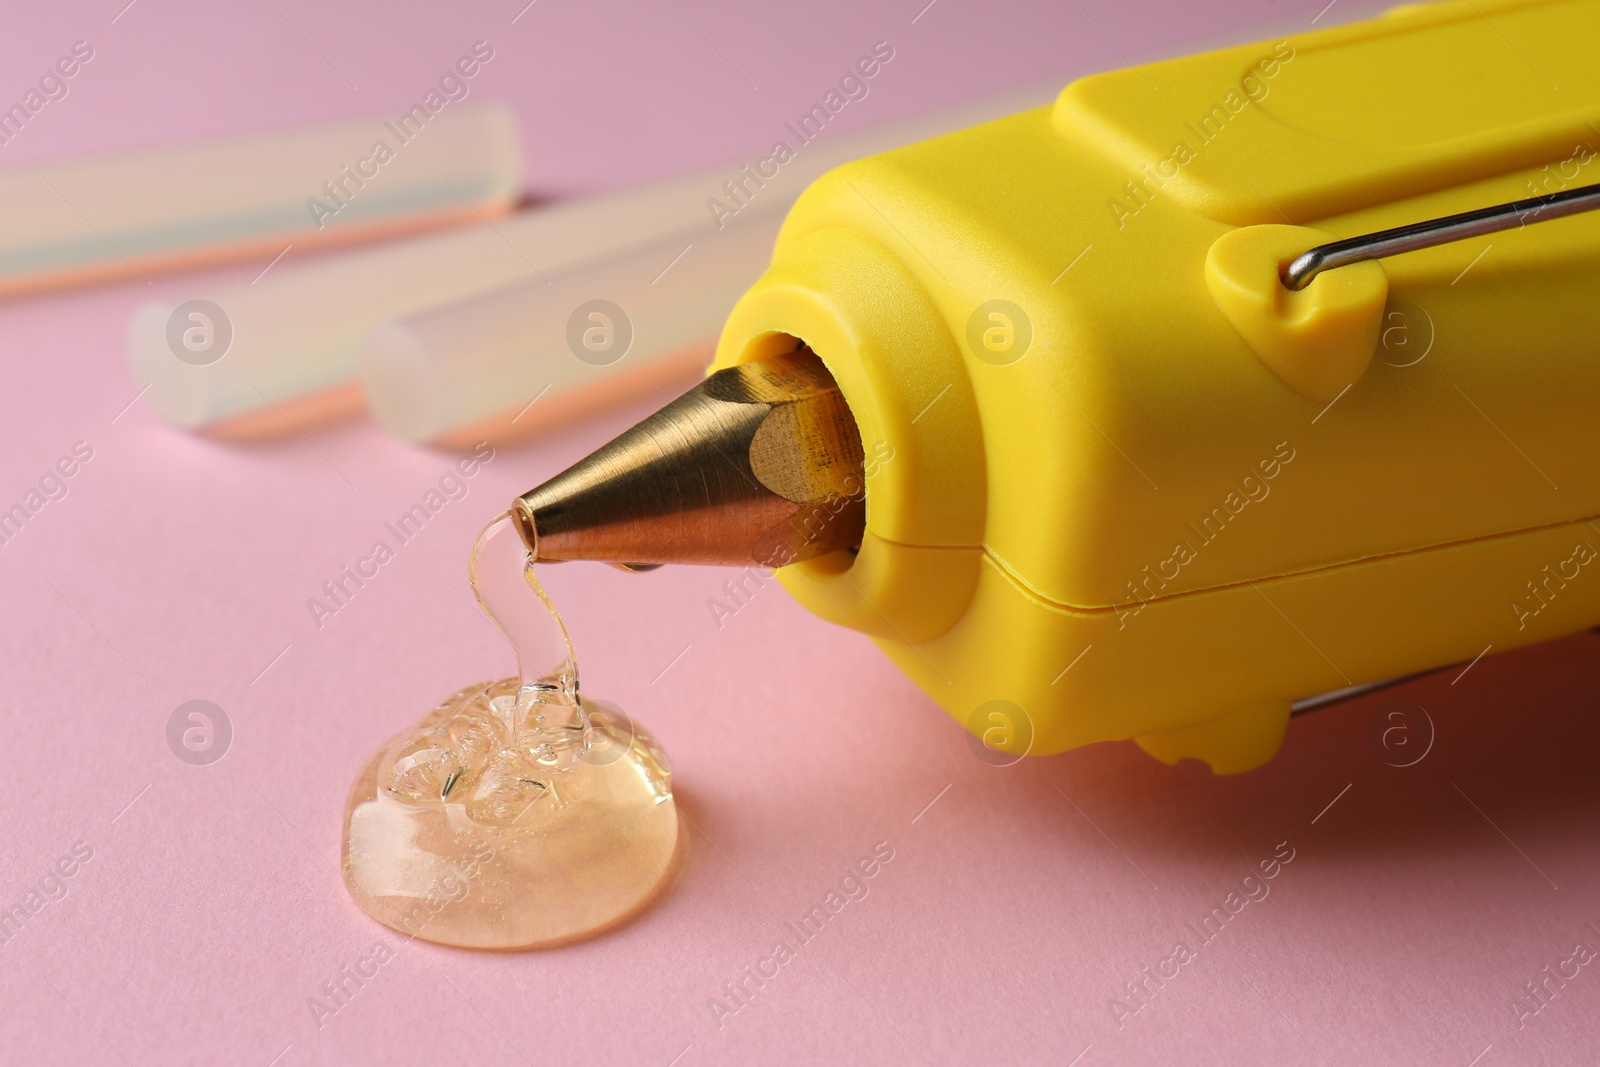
{"x":1223,"y":382}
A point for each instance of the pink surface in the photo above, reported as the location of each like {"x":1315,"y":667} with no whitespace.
{"x":1018,"y":903}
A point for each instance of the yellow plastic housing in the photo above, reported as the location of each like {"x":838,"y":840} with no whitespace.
{"x":1129,"y":484}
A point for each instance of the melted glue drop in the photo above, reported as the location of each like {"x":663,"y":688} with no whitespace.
{"x":516,"y":814}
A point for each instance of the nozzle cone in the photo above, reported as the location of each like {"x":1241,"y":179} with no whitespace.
{"x":760,"y":464}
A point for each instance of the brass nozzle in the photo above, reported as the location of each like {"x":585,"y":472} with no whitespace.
{"x":758,"y":464}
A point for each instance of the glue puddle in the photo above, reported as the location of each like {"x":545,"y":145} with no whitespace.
{"x":516,"y":814}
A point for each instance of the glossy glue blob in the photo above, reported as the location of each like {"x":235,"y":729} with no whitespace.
{"x":515,"y":814}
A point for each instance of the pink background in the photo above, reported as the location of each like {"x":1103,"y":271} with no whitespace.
{"x":1015,"y":907}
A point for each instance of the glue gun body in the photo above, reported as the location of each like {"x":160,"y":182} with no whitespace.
{"x":1119,"y":481}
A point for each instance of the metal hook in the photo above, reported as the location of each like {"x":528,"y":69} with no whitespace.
{"x":1413,"y":236}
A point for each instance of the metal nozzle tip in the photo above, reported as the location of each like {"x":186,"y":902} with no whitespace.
{"x":758,"y":464}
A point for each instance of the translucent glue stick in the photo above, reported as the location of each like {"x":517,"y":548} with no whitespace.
{"x":288,"y":342}
{"x":497,"y":366}
{"x":522,"y":359}
{"x":130,"y":214}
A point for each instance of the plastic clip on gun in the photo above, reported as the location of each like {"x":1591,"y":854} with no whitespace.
{"x":1059,"y":411}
